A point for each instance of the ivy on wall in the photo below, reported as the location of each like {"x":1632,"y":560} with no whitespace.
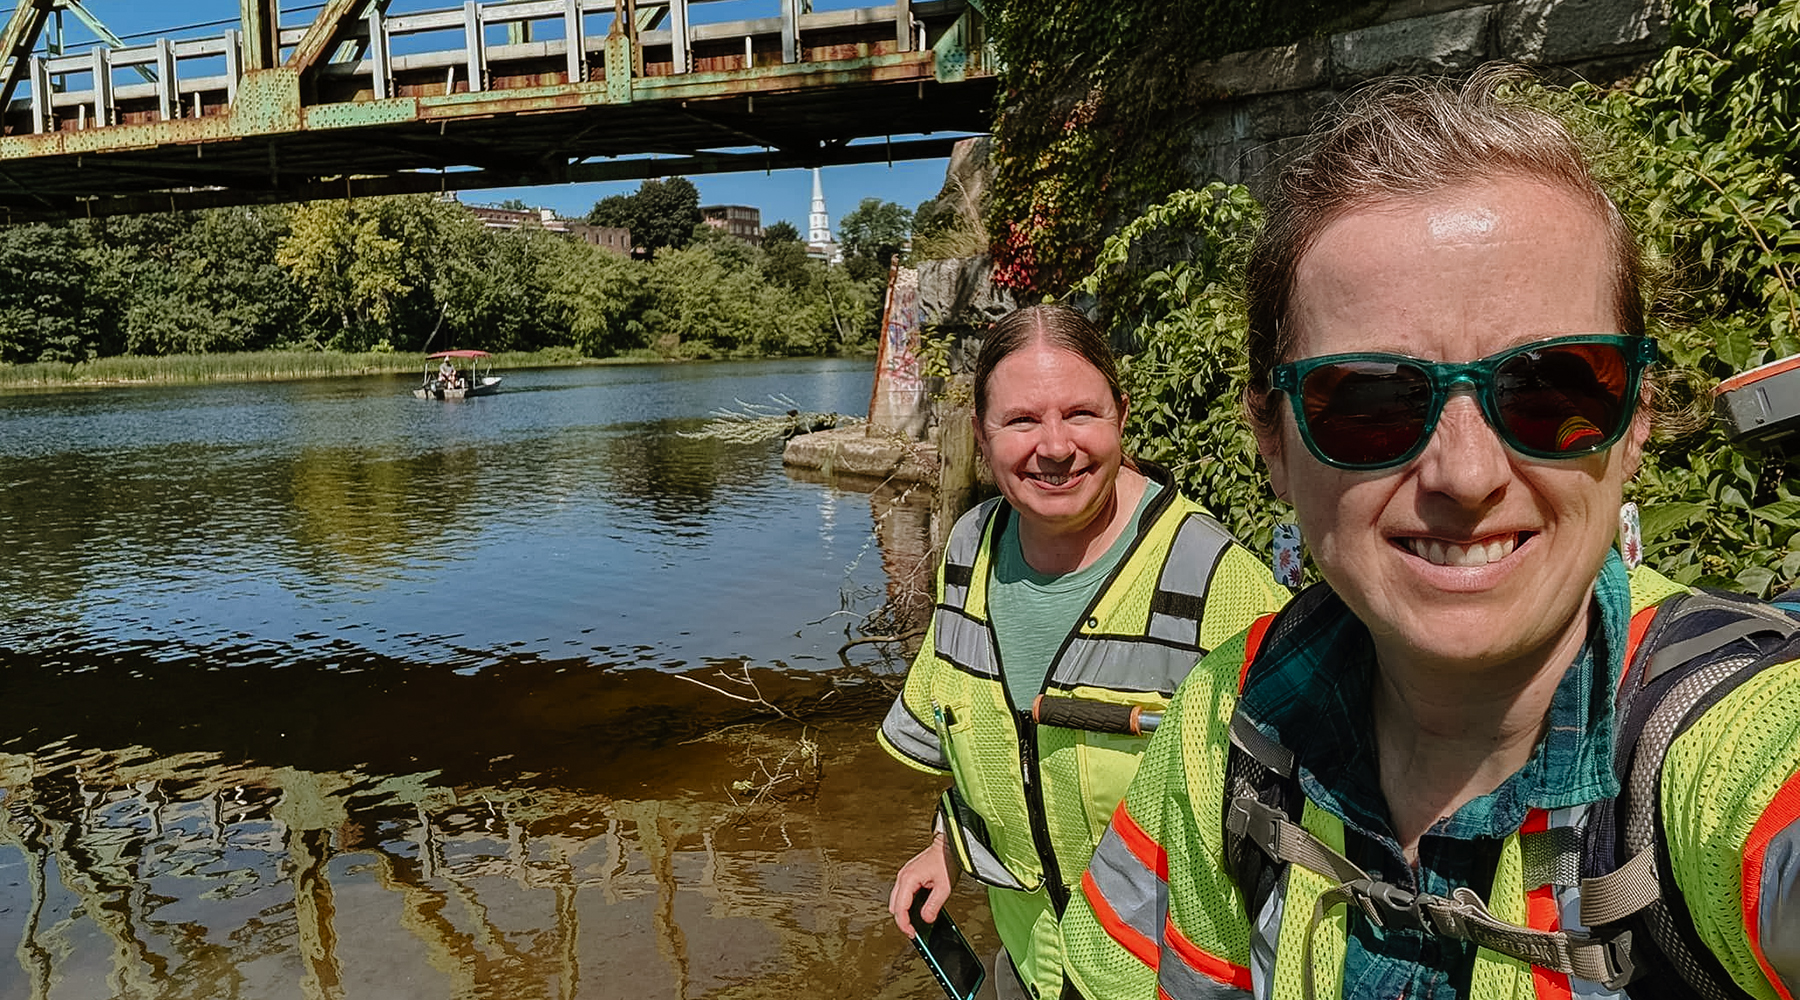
{"x":1713,"y":129}
{"x":1088,"y":128}
{"x":1703,"y":146}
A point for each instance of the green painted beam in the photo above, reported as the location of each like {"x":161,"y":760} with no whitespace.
{"x":420,"y":182}
{"x":327,"y":28}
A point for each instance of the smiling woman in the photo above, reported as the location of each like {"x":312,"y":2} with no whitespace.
{"x":1089,"y":577}
{"x":1447,"y":353}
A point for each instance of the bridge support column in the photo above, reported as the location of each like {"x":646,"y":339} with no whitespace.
{"x":234,"y":63}
{"x":42,"y":114}
{"x":790,"y":31}
{"x":618,"y":66}
{"x":678,"y":35}
{"x":378,"y":53}
{"x":473,"y":49}
{"x":576,"y":39}
{"x":262,"y":34}
{"x":103,"y":86}
{"x":168,"y":89}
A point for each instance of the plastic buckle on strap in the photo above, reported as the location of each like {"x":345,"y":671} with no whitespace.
{"x":1256,"y":822}
{"x":1388,"y":905}
{"x":1620,"y":966}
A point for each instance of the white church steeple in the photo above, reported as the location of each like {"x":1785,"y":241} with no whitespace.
{"x":819,"y":243}
{"x":818,"y":224}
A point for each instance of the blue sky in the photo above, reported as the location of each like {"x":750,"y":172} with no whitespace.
{"x":782,"y":194}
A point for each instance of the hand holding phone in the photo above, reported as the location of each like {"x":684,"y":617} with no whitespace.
{"x":957,"y":968}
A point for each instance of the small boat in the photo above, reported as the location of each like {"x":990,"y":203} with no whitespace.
{"x":451,"y":380}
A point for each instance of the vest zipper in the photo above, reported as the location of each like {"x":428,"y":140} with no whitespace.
{"x":1034,"y":809}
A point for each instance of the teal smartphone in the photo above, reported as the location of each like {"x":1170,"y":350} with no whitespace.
{"x":957,"y":968}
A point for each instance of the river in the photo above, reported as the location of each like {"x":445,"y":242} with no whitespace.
{"x":317,"y":690}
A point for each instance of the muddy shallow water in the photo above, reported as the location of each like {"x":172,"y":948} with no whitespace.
{"x":316,"y":690}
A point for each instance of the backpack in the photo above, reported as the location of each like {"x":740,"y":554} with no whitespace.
{"x":1683,"y":657}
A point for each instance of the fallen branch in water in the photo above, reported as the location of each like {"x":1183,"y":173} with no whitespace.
{"x":748,"y":682}
{"x":879,"y":638}
{"x":806,"y":770}
{"x":757,"y":422}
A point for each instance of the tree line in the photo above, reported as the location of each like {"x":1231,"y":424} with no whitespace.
{"x":416,"y":273}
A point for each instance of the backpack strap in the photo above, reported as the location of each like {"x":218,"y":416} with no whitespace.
{"x":1263,"y":834}
{"x":1699,"y":644}
{"x":1701,"y":647}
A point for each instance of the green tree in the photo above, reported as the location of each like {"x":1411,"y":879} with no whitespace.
{"x":784,"y":256}
{"x":374,"y":269}
{"x":617,"y":211}
{"x":192,"y":283}
{"x":596,"y":296}
{"x":667,"y":212}
{"x":661,"y":213}
{"x":51,"y":309}
{"x":873,"y":234}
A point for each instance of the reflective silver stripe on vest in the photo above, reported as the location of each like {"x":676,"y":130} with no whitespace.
{"x":1549,"y":857}
{"x":1180,"y":599}
{"x":1181,"y":981}
{"x":960,"y":552}
{"x":1568,"y":907}
{"x":1778,"y":923}
{"x":1133,"y":892}
{"x":913,"y":738}
{"x":1265,"y":936}
{"x":965,"y":643}
{"x":1124,"y":665}
{"x":985,"y":866}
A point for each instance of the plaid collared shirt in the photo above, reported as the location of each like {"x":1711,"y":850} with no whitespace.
{"x":1310,"y":689}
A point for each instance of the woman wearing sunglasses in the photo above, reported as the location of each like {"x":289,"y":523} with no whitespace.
{"x":1396,"y":787}
{"x":1090,"y":577}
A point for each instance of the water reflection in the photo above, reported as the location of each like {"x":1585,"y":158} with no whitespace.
{"x":143,"y":875}
{"x":568,"y":516}
{"x":320,"y":691}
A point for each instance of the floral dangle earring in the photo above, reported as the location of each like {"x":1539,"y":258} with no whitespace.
{"x":1285,"y":559}
{"x":1631,"y":536}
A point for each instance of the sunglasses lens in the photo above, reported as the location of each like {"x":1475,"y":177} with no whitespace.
{"x":1564,"y":399}
{"x":1365,"y":412}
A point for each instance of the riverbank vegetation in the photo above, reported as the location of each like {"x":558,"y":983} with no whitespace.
{"x":252,"y":366}
{"x":401,"y":275}
{"x":1701,"y":151}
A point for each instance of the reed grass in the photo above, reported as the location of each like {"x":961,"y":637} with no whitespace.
{"x":251,"y":366}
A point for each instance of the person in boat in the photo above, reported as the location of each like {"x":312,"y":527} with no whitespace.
{"x":1089,"y":575}
{"x":1433,"y":775}
{"x":447,"y":376}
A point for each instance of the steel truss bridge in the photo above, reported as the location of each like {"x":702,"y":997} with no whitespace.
{"x":487,"y":94}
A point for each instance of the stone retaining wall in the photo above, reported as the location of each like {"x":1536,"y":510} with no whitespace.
{"x":1255,"y":104}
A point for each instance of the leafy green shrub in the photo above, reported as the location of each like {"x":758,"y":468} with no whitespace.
{"x":1712,"y":129}
{"x":1188,"y":369}
{"x":1704,"y":142}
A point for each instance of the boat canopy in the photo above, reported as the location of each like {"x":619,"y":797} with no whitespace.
{"x":459,"y":354}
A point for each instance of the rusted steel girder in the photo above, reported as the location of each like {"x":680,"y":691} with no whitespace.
{"x":333,"y":130}
{"x":328,"y":28}
{"x":474,"y":180}
{"x":21,"y":37}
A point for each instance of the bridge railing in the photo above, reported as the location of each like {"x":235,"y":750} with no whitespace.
{"x":420,"y":54}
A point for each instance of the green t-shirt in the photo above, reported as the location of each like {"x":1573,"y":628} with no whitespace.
{"x":1033,"y":613}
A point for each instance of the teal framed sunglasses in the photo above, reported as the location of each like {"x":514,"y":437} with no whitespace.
{"x":1564,"y":397}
